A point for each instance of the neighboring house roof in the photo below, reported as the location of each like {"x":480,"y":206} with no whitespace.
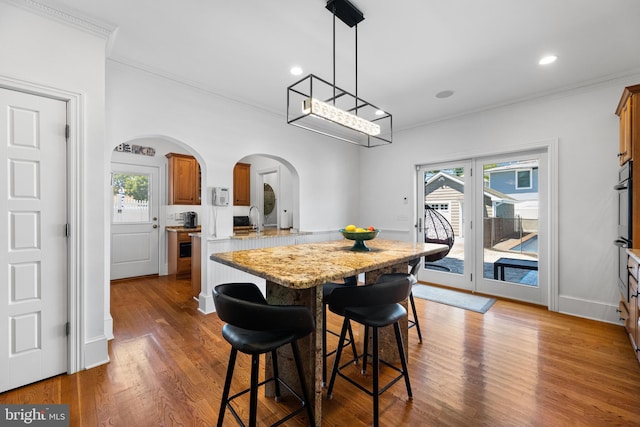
{"x":494,"y":195}
{"x":513,"y":166}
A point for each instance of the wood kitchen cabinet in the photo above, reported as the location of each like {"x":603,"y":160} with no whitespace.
{"x":242,"y":184}
{"x":179,"y":253}
{"x":629,"y":112}
{"x":184,"y":179}
{"x":632,"y":319}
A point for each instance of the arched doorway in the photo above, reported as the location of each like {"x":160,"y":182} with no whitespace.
{"x":274,"y":191}
{"x":139,"y":211}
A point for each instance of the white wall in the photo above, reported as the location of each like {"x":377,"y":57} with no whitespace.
{"x":55,"y":57}
{"x":221,"y":132}
{"x":586,"y":127}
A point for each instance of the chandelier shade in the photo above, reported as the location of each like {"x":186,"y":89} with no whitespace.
{"x":319,"y":106}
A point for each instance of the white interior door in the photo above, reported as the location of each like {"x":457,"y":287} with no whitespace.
{"x":33,"y":258}
{"x":134,"y":220}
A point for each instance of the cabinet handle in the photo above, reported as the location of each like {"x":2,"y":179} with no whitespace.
{"x":622,"y":154}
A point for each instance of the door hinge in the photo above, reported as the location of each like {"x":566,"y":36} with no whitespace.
{"x":66,"y":231}
{"x":66,"y":132}
{"x":471,"y":277}
{"x":67,"y":328}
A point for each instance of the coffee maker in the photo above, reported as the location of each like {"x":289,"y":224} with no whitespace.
{"x":190,"y":219}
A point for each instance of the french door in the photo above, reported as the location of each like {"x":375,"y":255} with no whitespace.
{"x":512,"y":227}
{"x":495,"y":208}
{"x":446,"y":190}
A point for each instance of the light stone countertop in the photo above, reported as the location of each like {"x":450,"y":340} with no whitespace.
{"x":181,"y":229}
{"x":634,"y":253}
{"x":307,"y":265}
{"x":270,"y":232}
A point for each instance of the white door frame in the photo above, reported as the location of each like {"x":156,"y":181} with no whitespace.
{"x":75,"y":258}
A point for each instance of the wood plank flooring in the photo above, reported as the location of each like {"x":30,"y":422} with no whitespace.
{"x":516,"y":365}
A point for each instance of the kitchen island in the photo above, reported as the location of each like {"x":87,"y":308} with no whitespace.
{"x":295,"y":274}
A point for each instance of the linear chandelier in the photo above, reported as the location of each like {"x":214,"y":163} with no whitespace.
{"x":322,"y":107}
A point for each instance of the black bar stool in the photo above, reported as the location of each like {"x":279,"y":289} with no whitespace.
{"x":414,"y":265}
{"x":374,"y":306}
{"x":254,"y":327}
{"x":327,"y":289}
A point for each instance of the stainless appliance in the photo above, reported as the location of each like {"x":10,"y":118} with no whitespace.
{"x":190,"y":219}
{"x":623,"y":241}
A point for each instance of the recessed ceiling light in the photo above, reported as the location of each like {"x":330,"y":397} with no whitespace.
{"x":296,"y":71}
{"x":444,"y":94}
{"x":548,"y":60}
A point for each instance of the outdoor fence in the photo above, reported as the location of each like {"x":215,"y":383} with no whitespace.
{"x":500,"y":229}
{"x":127,"y":209}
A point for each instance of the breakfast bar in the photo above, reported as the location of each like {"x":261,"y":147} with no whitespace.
{"x":295,"y":275}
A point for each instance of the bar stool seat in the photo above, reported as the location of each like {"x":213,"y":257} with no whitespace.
{"x":373,"y":306}
{"x":414,"y":265}
{"x":254,"y":327}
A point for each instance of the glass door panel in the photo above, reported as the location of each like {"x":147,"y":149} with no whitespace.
{"x":510,"y":223}
{"x":511,"y":217}
{"x":443,"y":197}
{"x":130,"y":198}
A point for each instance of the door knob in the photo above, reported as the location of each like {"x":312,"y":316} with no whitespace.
{"x":155,"y":225}
{"x":155,"y":218}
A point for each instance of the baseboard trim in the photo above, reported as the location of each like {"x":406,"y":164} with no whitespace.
{"x":594,"y":310}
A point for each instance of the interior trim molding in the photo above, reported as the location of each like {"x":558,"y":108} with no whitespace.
{"x":86,"y":24}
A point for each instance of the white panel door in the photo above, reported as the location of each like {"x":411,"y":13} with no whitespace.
{"x":134,"y":220}
{"x":33,"y":258}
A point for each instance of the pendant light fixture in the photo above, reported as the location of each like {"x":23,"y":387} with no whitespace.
{"x":319,"y":106}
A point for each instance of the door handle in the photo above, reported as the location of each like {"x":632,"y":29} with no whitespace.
{"x":155,"y":225}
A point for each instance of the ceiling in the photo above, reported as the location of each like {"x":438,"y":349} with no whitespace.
{"x":486,"y":51}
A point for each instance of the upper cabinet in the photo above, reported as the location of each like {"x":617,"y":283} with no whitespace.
{"x":242,"y":184}
{"x":184,"y":179}
{"x":629,"y":113}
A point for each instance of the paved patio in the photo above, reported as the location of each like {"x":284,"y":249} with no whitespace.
{"x":454,"y":261}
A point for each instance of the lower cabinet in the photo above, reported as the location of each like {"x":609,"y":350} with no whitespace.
{"x":179,"y":254}
{"x":631,"y":312}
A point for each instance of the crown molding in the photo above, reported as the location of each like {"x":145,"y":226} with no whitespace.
{"x":67,"y":17}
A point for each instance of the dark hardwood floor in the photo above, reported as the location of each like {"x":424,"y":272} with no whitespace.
{"x":516,"y":365}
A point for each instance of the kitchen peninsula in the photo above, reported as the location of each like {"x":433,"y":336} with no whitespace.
{"x":294,"y":275}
